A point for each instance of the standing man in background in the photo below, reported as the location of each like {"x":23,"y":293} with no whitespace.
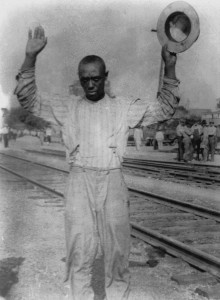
{"x":48,"y":135}
{"x":5,"y":135}
{"x":95,"y":129}
{"x":187,"y":142}
{"x":196,"y":141}
{"x":138,"y":137}
{"x":180,"y":132}
{"x":41,"y":136}
{"x":160,"y":138}
{"x":204,"y":141}
{"x":212,"y":139}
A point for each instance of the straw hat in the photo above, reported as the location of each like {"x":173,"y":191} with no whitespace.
{"x":178,"y":26}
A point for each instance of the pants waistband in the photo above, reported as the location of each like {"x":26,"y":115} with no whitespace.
{"x":82,"y":168}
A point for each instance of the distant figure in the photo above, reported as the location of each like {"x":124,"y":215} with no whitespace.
{"x":48,"y":135}
{"x":33,"y":133}
{"x":196,"y":141}
{"x":138,"y":136}
{"x":15,"y":134}
{"x":217,"y":134}
{"x":5,"y":133}
{"x":26,"y":132}
{"x":12,"y":135}
{"x":149,"y":141}
{"x":19,"y":133}
{"x":61,"y":138}
{"x":212,"y":139}
{"x":41,"y":137}
{"x":187,"y":142}
{"x":180,"y":131}
{"x":160,"y":138}
{"x":204,"y":141}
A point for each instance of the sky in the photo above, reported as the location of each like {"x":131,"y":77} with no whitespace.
{"x":119,"y":32}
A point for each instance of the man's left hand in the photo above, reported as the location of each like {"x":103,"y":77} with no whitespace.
{"x":170,"y":62}
{"x":168,"y":57}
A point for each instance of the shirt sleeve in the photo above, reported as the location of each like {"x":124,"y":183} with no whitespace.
{"x":51,"y":108}
{"x":144,"y":112}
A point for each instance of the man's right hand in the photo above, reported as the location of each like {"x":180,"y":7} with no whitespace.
{"x":36,"y":43}
{"x":34,"y":46}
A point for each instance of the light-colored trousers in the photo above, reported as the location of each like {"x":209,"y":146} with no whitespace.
{"x":160,"y":144}
{"x":212,"y":145}
{"x":96,"y":211}
{"x":138,"y":143}
{"x":188,"y":149}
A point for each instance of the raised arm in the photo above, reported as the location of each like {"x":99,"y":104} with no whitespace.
{"x":145,"y":111}
{"x":170,"y":63}
{"x":26,"y":89}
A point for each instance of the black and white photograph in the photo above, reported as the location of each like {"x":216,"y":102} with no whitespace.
{"x":109,"y":150}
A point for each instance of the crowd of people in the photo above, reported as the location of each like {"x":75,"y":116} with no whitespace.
{"x":199,"y":139}
{"x":7,"y":133}
{"x":196,"y":140}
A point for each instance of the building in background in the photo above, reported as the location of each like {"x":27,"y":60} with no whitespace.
{"x":199,"y":111}
{"x":212,"y":116}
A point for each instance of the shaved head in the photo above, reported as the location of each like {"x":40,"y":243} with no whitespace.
{"x":92,"y":59}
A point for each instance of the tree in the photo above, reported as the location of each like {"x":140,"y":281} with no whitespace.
{"x":18,"y":115}
{"x":194,"y":118}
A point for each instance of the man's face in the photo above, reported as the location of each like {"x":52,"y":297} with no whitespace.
{"x":92,"y":78}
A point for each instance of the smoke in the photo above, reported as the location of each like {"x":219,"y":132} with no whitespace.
{"x":4,"y":104}
{"x":4,"y":99}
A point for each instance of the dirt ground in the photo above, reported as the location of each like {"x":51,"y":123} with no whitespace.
{"x":32,"y":247}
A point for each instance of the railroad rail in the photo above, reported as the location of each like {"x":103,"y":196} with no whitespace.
{"x":61,"y":153}
{"x":194,"y":174}
{"x":212,"y":169}
{"x":202,"y":175}
{"x":182,"y":229}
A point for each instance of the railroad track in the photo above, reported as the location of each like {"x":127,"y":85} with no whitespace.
{"x":197,"y":174}
{"x":195,"y":167}
{"x":61,"y":153}
{"x":193,"y":174}
{"x":182,"y":229}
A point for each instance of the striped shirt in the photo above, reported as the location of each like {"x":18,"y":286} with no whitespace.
{"x":95,"y":133}
{"x":96,"y":126}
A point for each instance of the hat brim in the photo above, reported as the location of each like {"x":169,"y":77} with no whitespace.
{"x":164,"y":37}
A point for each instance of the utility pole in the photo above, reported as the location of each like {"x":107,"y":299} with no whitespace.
{"x":160,"y":82}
